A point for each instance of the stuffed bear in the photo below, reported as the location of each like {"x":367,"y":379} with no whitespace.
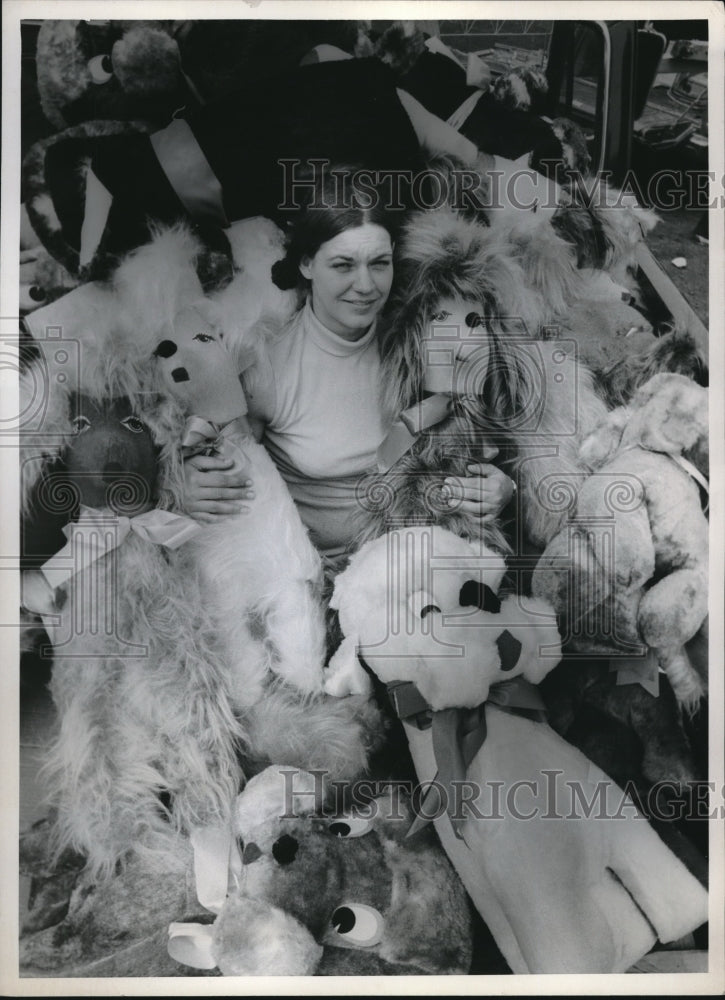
{"x":564,"y":886}
{"x":323,"y":889}
{"x":633,"y":559}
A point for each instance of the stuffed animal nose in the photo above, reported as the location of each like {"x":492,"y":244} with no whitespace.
{"x":250,"y":854}
{"x":111,"y":472}
{"x":166,"y":349}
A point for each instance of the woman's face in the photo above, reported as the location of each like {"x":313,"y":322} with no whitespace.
{"x":351,"y":277}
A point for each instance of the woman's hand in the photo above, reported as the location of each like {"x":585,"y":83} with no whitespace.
{"x":214,"y":488}
{"x":485,"y":493}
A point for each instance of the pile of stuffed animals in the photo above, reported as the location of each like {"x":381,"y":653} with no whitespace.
{"x":249,"y":776}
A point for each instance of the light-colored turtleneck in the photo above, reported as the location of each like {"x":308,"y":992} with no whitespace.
{"x":316,"y":394}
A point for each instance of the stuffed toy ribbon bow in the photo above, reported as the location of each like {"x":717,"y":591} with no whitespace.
{"x":98,"y":532}
{"x":202,"y":436}
{"x":458,"y":734}
{"x":217,"y":868}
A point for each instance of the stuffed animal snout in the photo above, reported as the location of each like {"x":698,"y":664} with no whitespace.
{"x":421,"y":606}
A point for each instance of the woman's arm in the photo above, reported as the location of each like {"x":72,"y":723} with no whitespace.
{"x":213,"y":488}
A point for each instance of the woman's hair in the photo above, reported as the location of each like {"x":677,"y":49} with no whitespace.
{"x":342,"y":198}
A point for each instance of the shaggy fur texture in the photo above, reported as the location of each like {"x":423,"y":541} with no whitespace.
{"x":533,"y":397}
{"x":151,"y":717}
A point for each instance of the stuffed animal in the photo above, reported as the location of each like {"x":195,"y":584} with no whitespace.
{"x":463,"y":324}
{"x":564,"y":886}
{"x":262,"y":560}
{"x":324,"y":890}
{"x":633,"y":558}
{"x":133,"y":648}
{"x":126,"y":70}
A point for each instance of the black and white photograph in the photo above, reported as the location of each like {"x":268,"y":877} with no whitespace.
{"x":362,"y":486}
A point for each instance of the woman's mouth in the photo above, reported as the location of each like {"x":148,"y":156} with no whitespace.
{"x":360,"y":303}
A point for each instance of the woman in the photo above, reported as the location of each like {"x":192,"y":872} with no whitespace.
{"x":316,"y":404}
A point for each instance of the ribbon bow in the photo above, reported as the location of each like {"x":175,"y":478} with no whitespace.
{"x":458,"y":734}
{"x":410,"y":424}
{"x":98,"y":532}
{"x":202,"y":436}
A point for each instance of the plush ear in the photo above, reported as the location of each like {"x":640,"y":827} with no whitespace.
{"x":253,"y":938}
{"x":602,"y":443}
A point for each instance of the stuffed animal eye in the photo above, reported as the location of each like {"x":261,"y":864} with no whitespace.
{"x":205,"y":338}
{"x":36,"y":293}
{"x":473,"y":320}
{"x":356,"y":923}
{"x":350,"y":826}
{"x":100,"y":68}
{"x":80,"y":424}
{"x":133,"y":424}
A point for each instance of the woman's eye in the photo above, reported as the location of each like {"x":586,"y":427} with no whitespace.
{"x":342,"y":266}
{"x":381,"y":265}
{"x":358,"y":924}
{"x":350,"y":826}
{"x":133,"y":424}
{"x":100,"y":69}
{"x":80,"y":424}
{"x":439,"y":317}
{"x":205,"y":338}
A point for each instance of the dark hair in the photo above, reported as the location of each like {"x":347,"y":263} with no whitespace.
{"x":339,"y":202}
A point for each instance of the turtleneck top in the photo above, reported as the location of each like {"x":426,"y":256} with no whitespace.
{"x":316,"y":394}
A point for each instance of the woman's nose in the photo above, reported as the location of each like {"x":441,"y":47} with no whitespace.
{"x":363,"y":280}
